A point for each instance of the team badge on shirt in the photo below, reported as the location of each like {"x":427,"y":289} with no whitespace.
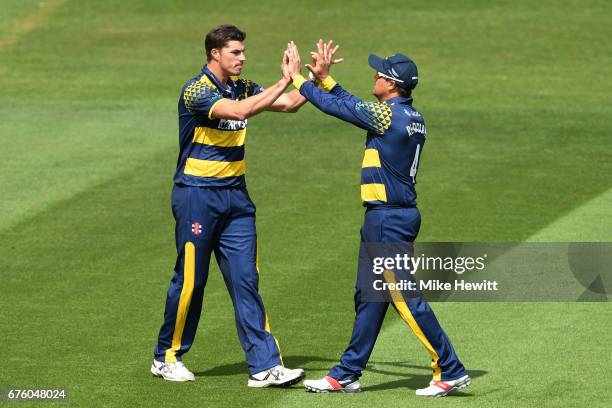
{"x":196,"y":228}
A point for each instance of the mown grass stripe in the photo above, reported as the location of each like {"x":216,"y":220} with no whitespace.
{"x":30,"y":22}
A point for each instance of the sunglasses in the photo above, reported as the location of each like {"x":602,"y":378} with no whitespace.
{"x":381,"y":75}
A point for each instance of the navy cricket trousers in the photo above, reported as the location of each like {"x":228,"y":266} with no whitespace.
{"x":219,"y":220}
{"x":394,"y":225}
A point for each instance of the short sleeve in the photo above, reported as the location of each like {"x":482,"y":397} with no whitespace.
{"x":200,"y":97}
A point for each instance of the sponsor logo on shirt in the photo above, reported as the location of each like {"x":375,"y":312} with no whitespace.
{"x":229,"y":124}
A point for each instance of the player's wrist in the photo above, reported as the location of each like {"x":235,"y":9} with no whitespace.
{"x":328,"y":83}
{"x":298,"y":80}
{"x":285,"y":81}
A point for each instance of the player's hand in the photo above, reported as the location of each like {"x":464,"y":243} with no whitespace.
{"x":323,"y":59}
{"x":317,"y":67}
{"x":294,"y":63}
{"x":285,"y":67}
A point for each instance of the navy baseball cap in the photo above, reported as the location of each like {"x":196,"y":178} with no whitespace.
{"x":397,"y":67}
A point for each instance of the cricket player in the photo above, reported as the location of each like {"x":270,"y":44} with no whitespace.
{"x":394,"y":142}
{"x":214,"y":213}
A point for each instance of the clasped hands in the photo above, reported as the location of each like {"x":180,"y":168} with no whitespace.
{"x":322,"y":60}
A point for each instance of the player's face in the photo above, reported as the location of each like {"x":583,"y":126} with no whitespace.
{"x":381,"y":85}
{"x":231,"y":57}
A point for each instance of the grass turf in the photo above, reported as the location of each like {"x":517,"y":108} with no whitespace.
{"x":517,"y":106}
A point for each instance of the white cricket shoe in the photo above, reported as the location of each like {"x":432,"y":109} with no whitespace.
{"x":278,"y":376}
{"x":171,"y":371}
{"x":441,"y":388}
{"x":330,"y":384}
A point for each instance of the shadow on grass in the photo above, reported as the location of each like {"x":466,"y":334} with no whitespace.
{"x":241,"y":367}
{"x":413,"y":382}
{"x":408,"y":380}
{"x":225,"y":369}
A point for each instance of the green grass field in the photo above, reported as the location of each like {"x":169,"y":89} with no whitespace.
{"x":517,"y":98}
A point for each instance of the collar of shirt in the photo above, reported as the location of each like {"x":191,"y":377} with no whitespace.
{"x":399,"y":99}
{"x":227,"y":91}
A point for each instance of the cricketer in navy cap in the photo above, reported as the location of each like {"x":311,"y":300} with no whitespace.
{"x":396,"y":134}
{"x":398,"y":67}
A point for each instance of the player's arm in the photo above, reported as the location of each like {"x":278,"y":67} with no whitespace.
{"x":337,"y":102}
{"x":204,"y":100}
{"x":334,"y":100}
{"x":289,"y":102}
{"x":241,"y":110}
{"x":372,"y":116}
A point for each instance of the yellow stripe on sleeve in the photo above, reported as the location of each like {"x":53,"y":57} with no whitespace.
{"x":373,"y":192}
{"x":371,"y":158}
{"x":212,"y":168}
{"x":210,"y":111}
{"x":184,"y":302}
{"x":406,"y":315}
{"x":216,"y":137}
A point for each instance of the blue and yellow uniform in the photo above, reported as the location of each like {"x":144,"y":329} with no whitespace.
{"x":213,"y":212}
{"x":394,"y":142}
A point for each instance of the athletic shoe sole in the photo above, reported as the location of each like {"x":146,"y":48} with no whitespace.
{"x":265,"y":383}
{"x":343,"y":390}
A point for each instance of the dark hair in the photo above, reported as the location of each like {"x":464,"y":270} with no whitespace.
{"x":403,"y":92}
{"x":218,"y":37}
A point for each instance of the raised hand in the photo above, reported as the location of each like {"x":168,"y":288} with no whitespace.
{"x":294,"y":61}
{"x":323,"y":59}
{"x":285,"y":71}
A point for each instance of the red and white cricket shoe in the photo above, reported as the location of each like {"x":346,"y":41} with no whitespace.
{"x":330,"y":384}
{"x":441,"y":388}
